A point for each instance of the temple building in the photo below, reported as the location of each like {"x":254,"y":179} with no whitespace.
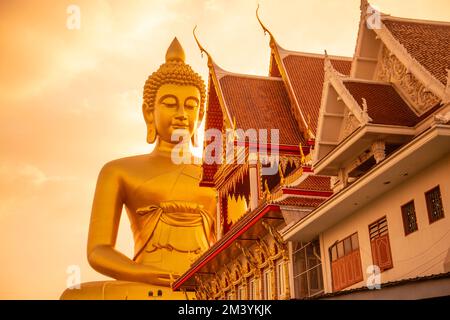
{"x":358,"y":206}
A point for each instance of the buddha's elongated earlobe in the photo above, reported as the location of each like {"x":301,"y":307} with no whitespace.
{"x":194,"y":139}
{"x":150,"y":122}
{"x":151,"y":133}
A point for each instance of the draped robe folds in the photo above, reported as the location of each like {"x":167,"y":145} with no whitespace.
{"x":175,"y":214}
{"x":171,"y":233}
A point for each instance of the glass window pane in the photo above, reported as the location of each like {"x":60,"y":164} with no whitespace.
{"x":340,"y":249}
{"x":347,"y":246}
{"x":315,"y":280}
{"x":299,"y":262}
{"x":409,"y":217}
{"x":267,"y":285}
{"x":355,"y":242}
{"x":434,"y":204}
{"x":301,"y":286}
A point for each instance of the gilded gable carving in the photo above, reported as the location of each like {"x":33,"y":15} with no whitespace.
{"x":392,"y":70}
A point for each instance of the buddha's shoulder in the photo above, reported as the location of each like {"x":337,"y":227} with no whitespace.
{"x":126,"y":164}
{"x":147,"y":162}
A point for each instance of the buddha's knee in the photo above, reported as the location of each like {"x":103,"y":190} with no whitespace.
{"x":87,"y":291}
{"x":123,"y":290}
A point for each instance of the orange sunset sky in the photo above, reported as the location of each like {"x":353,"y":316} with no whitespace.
{"x":70,"y":100}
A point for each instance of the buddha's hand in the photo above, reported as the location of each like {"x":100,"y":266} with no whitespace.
{"x":159,"y":277}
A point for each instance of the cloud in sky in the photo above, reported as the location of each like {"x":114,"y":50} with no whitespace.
{"x":70,"y":100}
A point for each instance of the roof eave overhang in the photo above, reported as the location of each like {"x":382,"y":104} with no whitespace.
{"x":359,"y":141}
{"x":413,"y":157}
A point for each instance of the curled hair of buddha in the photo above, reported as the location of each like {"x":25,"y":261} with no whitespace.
{"x":173,"y":71}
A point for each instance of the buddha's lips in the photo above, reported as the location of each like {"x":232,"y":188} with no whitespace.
{"x":180,"y":126}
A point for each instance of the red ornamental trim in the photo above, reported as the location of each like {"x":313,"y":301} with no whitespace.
{"x":308,"y":192}
{"x":206,"y":184}
{"x":284,"y":148}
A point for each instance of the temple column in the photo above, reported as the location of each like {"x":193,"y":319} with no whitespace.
{"x":253,"y":176}
{"x":219,"y":227}
{"x":379,"y":150}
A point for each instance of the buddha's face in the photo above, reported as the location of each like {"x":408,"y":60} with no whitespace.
{"x":176,"y":107}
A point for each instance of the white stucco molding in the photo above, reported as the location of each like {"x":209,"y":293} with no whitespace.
{"x":336,"y":208}
{"x":412,"y":65}
{"x":336,"y":79}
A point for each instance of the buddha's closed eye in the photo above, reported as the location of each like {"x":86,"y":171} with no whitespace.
{"x":169,"y":101}
{"x":191,"y":103}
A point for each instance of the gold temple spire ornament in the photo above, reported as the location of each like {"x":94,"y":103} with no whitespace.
{"x":267,"y":194}
{"x":168,"y":223}
{"x":280,"y":172}
{"x":302,"y":154}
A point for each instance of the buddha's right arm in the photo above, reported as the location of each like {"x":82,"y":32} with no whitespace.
{"x":103,"y":228}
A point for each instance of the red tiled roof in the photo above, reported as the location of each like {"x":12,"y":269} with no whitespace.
{"x":301,"y":202}
{"x":306,"y":74}
{"x":384,"y":104}
{"x":428,"y":43}
{"x":214,"y":119}
{"x":315,"y":183}
{"x":261,"y":103}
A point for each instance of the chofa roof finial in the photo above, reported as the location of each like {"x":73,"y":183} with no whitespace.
{"x":262,"y":24}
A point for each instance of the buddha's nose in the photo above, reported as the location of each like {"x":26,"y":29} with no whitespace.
{"x":181,"y":115}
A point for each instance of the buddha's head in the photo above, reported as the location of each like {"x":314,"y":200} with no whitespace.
{"x":174,"y":97}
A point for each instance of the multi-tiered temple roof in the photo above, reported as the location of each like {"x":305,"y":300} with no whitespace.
{"x":330,"y":111}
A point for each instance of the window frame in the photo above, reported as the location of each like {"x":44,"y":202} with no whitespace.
{"x":252,"y":289}
{"x":267,"y":284}
{"x":280,"y":273}
{"x":335,"y":245}
{"x":303,"y":276}
{"x":373,"y":236}
{"x":406,"y":220}
{"x":348,"y":259}
{"x":241,"y":292}
{"x":428,"y":204}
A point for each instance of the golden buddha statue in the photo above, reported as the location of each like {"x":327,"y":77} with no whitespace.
{"x":171,"y":216}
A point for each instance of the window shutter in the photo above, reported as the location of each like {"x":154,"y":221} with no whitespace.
{"x":338,"y":275}
{"x":348,"y":270}
{"x":384,"y":252}
{"x":375,"y":258}
{"x":356,"y":265}
{"x":381,"y":252}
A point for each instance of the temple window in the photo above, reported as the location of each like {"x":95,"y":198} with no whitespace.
{"x":267,"y":285}
{"x":434,"y":204}
{"x":252,"y":293}
{"x":409,"y":218}
{"x":308,"y":280}
{"x":281,"y":279}
{"x":346,"y":262}
{"x":379,"y":241}
{"x":241,"y":293}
